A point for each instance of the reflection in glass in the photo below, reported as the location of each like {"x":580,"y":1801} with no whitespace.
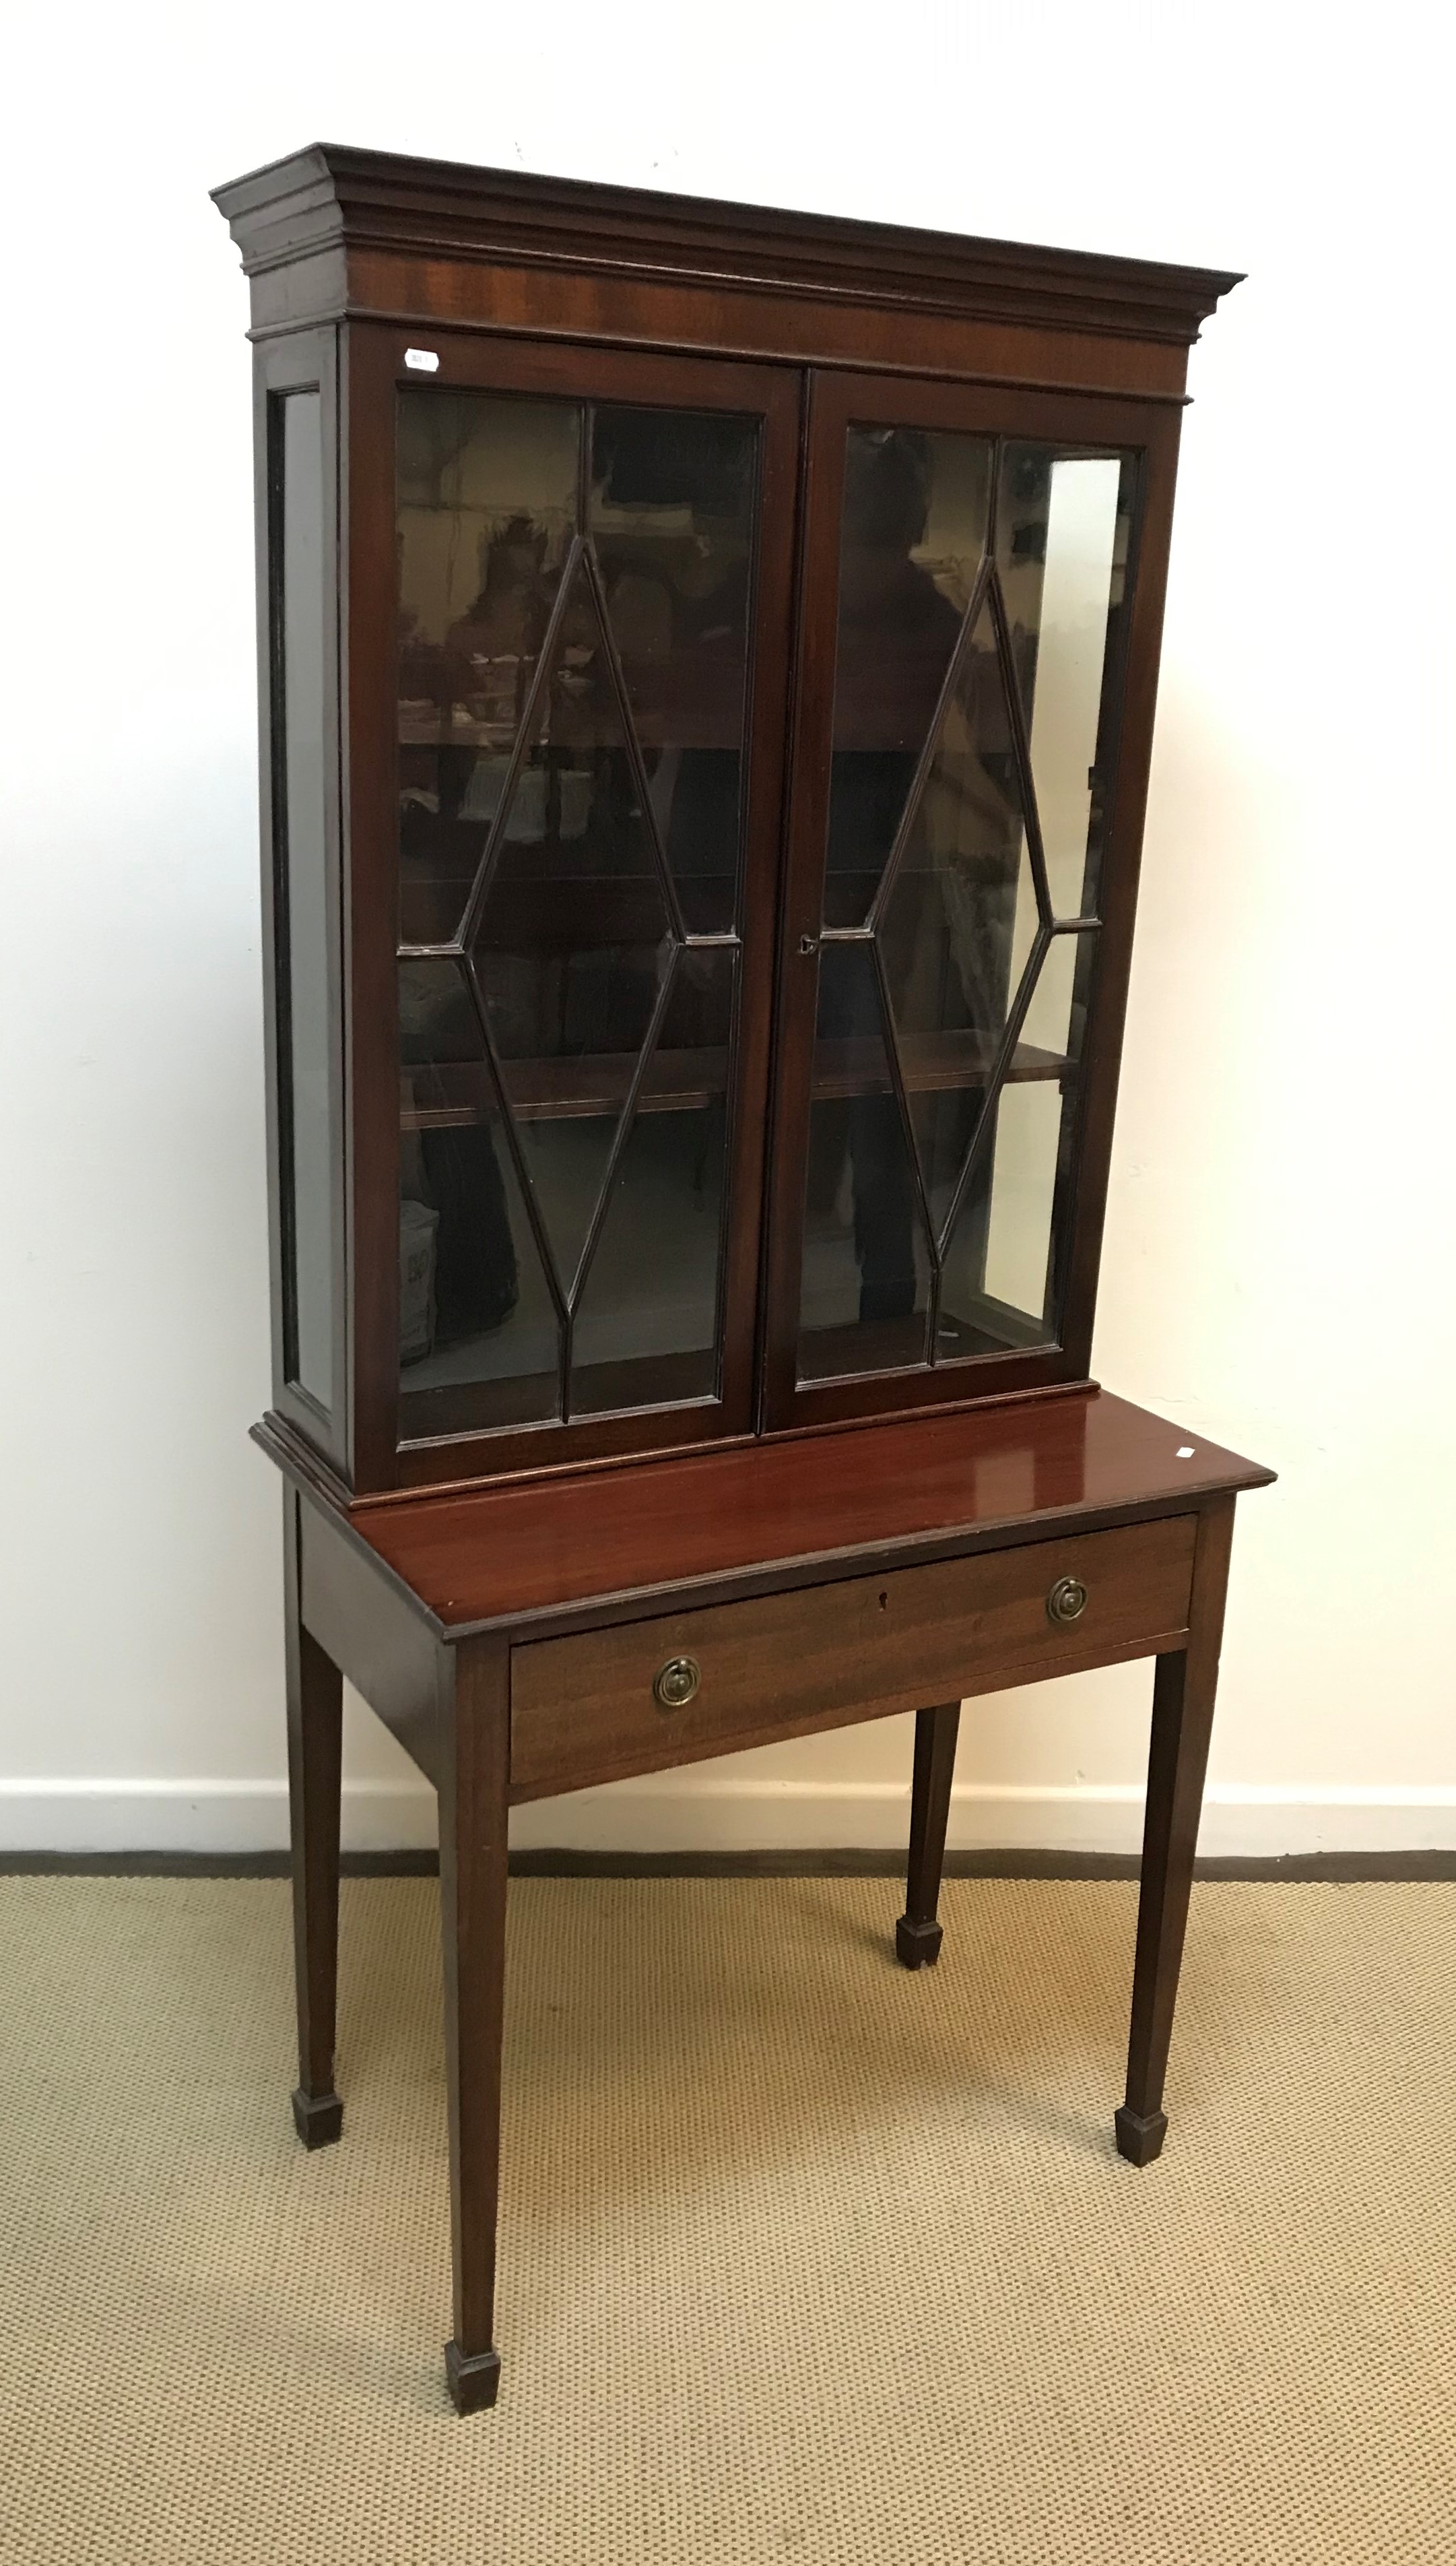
{"x":1063,"y":527}
{"x":998,"y":1230}
{"x":974,"y":714}
{"x":478,"y":1330}
{"x":487,"y":510}
{"x":864,"y":1295}
{"x":306,"y":927}
{"x":646,"y":1322}
{"x":997,"y":1284}
{"x":914,"y":530}
{"x":671,"y":517}
{"x":572,"y":710}
{"x":951,"y":910}
{"x":575,"y":941}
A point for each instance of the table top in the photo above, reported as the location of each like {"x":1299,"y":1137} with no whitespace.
{"x":750,"y":1517}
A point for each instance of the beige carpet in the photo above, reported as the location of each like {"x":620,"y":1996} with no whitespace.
{"x":802,"y":2258}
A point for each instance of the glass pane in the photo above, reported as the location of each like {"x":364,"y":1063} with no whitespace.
{"x":306,"y":925}
{"x":914,"y":530}
{"x":1053,"y":1026}
{"x":575,"y":940}
{"x":1064,"y":528}
{"x":865,"y":1293}
{"x":997,"y":1288}
{"x":949,"y":921}
{"x":646,"y":1324}
{"x":487,"y":493}
{"x":479,"y":1342}
{"x":672,"y":516}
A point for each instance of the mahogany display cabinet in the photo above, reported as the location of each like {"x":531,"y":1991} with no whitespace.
{"x":707,"y":663}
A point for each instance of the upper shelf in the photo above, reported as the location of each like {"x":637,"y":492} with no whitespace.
{"x":682,"y":1082}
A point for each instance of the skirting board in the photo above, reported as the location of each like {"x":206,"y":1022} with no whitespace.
{"x":711,"y":1816}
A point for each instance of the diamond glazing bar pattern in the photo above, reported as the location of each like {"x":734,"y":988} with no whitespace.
{"x":986,"y":618}
{"x":580,"y":607}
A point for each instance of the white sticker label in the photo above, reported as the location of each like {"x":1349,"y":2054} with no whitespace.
{"x":1184,"y":1453}
{"x":422,"y":361}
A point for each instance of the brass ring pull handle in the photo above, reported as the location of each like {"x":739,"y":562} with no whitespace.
{"x":676,"y":1683}
{"x":1066,"y":1601}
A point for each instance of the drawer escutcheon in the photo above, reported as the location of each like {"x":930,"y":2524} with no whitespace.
{"x":1066,"y":1601}
{"x":674,"y":1685}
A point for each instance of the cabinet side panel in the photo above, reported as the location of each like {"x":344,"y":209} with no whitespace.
{"x":304,"y":922}
{"x":369,"y":612}
{"x":297,"y":522}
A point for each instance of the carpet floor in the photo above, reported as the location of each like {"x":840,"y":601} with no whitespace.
{"x":801,"y":2258}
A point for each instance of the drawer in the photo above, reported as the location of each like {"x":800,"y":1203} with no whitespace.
{"x":584,"y":1709}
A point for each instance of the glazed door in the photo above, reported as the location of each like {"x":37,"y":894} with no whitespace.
{"x":589,"y":587}
{"x":965,"y":826}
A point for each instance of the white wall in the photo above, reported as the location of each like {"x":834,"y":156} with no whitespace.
{"x":1280,"y":1249}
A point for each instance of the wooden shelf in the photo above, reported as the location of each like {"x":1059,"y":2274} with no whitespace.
{"x":551,"y":1091}
{"x":683,"y":1082}
{"x":932,"y":1064}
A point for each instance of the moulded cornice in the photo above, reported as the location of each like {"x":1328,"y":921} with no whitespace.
{"x":331,"y":197}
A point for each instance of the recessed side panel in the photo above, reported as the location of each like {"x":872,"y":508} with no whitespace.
{"x":307,"y":924}
{"x":298,"y":477}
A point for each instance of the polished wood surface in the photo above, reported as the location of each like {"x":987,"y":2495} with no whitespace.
{"x":534,"y":285}
{"x":497,"y":1554}
{"x":331,"y":228}
{"x":824,"y":1550}
{"x":386,"y":1646}
{"x":754,"y":324}
{"x":837,"y":401}
{"x":475,"y":1749}
{"x":374,"y":369}
{"x":315,"y":1697}
{"x":919,"y":1933}
{"x":1182,"y":1722}
{"x":583,"y":1709}
{"x":497,"y":1722}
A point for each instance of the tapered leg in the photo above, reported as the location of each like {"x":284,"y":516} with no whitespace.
{"x":918,"y":1934}
{"x":474,"y":1778}
{"x":315,"y":1721}
{"x":1182,"y":1720}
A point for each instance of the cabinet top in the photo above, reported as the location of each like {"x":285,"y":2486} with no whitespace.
{"x":330,"y":199}
{"x":708,"y":1526}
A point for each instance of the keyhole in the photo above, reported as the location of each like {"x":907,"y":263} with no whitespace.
{"x":884,"y":1599}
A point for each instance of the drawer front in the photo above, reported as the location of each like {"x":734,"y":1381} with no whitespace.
{"x":585,"y":1709}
